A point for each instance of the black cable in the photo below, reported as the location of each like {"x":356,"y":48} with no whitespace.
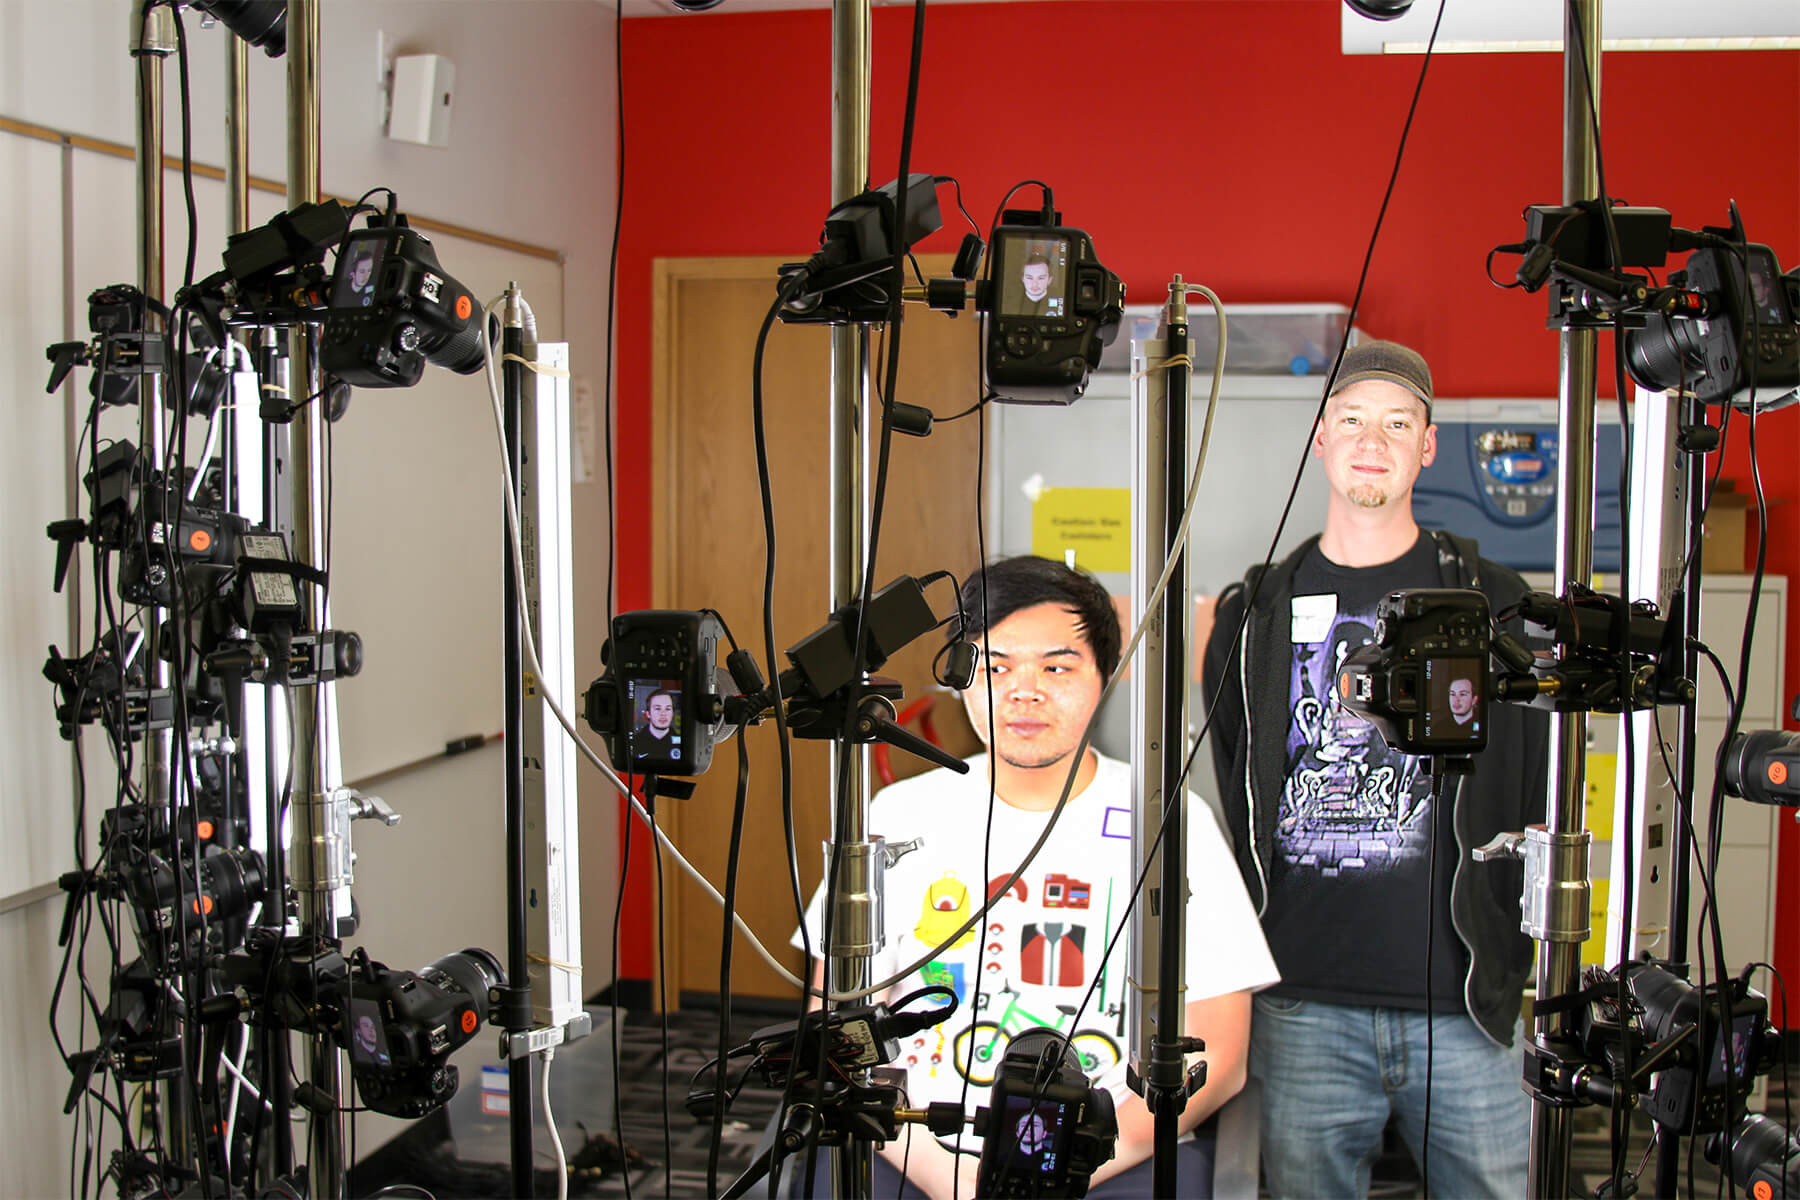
{"x":612,"y":295}
{"x":1287,"y":509}
{"x":1627,"y":901}
{"x":1716,"y":806}
{"x":182,"y":652}
{"x":618,"y":1009}
{"x":1438,"y":816}
{"x":662,"y":1001}
{"x":859,"y":655}
{"x":731,"y":876}
{"x":765,"y":487}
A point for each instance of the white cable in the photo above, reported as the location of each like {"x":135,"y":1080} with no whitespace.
{"x":612,"y":777}
{"x":562,"y":1162}
{"x":562,"y":718}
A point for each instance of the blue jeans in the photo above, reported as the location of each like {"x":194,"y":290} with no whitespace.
{"x":1331,"y":1076}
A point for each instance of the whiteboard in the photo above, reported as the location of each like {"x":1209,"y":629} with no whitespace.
{"x":416,"y":502}
{"x":416,"y":545}
{"x":35,"y":765}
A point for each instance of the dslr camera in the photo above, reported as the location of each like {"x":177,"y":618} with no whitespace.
{"x":1045,"y":1129}
{"x":392,"y":309}
{"x":1423,"y":681}
{"x":658,"y":704}
{"x":1702,"y":1060}
{"x":400,"y":1028}
{"x":1750,"y":335}
{"x":1052,"y":309}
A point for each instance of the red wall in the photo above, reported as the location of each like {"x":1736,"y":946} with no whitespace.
{"x":1228,"y":140}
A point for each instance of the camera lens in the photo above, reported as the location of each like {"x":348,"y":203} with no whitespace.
{"x":473,"y":971}
{"x":1663,"y":353}
{"x":458,"y":350}
{"x":230,"y":883}
{"x":260,"y":22}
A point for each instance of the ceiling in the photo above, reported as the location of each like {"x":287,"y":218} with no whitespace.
{"x":663,"y":8}
{"x":1489,"y":26}
{"x":1537,"y":25}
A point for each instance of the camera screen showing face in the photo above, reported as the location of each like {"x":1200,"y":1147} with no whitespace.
{"x":368,"y":1041}
{"x":1037,"y":276}
{"x":1039,"y":1131}
{"x":358,"y":267}
{"x":657,"y":722}
{"x":1453,"y":708}
{"x":1768,"y":300}
{"x":1743,"y":1048}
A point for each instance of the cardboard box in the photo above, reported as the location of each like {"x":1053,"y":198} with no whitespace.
{"x":1724,"y":536}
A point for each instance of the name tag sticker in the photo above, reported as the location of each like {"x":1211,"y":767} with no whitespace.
{"x":1311,"y":618}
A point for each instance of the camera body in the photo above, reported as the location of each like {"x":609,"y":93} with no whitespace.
{"x":1691,"y":1095}
{"x":1423,"y":682}
{"x":175,"y":528}
{"x":658,"y":703}
{"x":1751,"y":335}
{"x":1052,"y":310}
{"x":400,"y":1028}
{"x":1046,"y":1128}
{"x":172,"y":916}
{"x":393,"y":309}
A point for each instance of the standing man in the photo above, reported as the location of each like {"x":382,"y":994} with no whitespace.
{"x":1380,"y":921}
{"x":1049,"y":641}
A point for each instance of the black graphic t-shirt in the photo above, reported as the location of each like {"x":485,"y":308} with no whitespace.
{"x":1347,"y":917}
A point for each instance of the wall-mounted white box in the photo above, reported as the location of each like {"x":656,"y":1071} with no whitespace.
{"x":420,"y":99}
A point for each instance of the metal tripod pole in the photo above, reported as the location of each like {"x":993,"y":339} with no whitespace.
{"x":152,"y":40}
{"x":1567,"y":887}
{"x":1156,"y":1000}
{"x":855,"y":934}
{"x":317,"y":854}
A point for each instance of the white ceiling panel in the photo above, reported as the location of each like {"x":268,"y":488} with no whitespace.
{"x":1520,"y":25}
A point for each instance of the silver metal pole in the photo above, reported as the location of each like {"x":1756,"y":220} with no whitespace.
{"x":316,"y":849}
{"x":853,"y":431}
{"x":1559,"y":956}
{"x":152,"y":40}
{"x":237,"y":134}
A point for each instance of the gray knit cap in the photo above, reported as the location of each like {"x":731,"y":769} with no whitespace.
{"x":1386,"y":360}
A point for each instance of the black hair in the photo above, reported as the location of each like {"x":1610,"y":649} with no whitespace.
{"x":660,"y":692}
{"x":1018,"y":583}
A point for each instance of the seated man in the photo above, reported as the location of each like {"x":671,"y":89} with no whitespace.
{"x":1050,"y":642}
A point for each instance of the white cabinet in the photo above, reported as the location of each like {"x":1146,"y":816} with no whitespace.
{"x":1750,"y":834}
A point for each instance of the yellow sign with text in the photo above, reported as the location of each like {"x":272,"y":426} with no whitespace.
{"x":1093,"y":523}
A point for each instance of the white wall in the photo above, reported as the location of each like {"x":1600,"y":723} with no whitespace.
{"x":531,"y":158}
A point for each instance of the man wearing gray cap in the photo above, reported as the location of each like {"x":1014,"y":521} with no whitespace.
{"x":1395,"y":948}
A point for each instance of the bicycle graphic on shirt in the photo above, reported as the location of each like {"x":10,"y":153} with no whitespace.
{"x":980,"y":1047}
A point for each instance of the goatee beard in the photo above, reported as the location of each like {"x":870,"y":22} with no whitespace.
{"x":1367,"y":495}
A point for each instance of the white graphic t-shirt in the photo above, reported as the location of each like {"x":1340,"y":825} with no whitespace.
{"x":1044,"y":943}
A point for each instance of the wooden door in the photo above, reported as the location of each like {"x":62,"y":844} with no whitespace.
{"x":708,"y":552}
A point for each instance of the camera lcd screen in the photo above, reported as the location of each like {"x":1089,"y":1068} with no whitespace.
{"x":1768,"y":300}
{"x":1036,"y":283}
{"x":368,"y":1040}
{"x":1743,"y":1034}
{"x":1453,"y":701}
{"x":358,"y":269}
{"x":1039,"y":1131}
{"x":657,"y":721}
